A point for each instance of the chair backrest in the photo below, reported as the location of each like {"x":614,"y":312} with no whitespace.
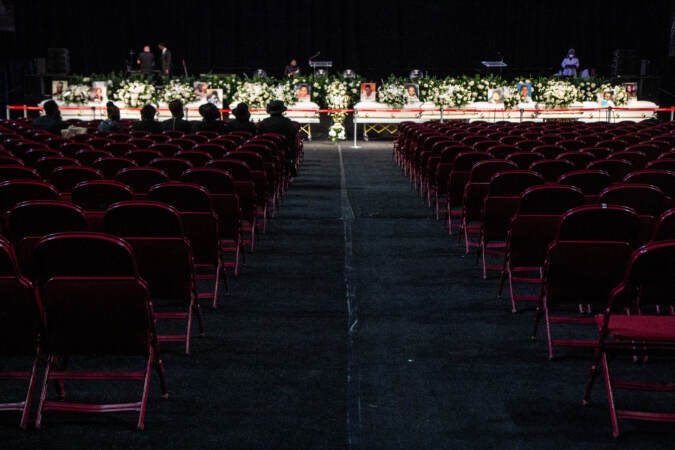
{"x":637,"y":159}
{"x":464,"y":161}
{"x":143,"y":156}
{"x":600,"y":223}
{"x":616,"y":168}
{"x":550,"y":199}
{"x":98,"y":195}
{"x":665,"y":226}
{"x":64,"y":178}
{"x":662,"y":163}
{"x":524,"y":159}
{"x":141,"y":179}
{"x":110,"y":166}
{"x":89,"y":254}
{"x":41,"y":217}
{"x":643,"y":198}
{"x":664,"y":179}
{"x":97,"y":315}
{"x":550,"y":151}
{"x":648,"y":280}
{"x":174,"y":167}
{"x":195,"y":157}
{"x":239,"y":169}
{"x":215,"y":150}
{"x":18,"y":172}
{"x":551,"y":169}
{"x":482,"y":171}
{"x":217,"y":181}
{"x":513,"y":182}
{"x":182,"y":196}
{"x":19,"y":307}
{"x":88,"y":156}
{"x":142,"y":218}
{"x":166,"y":149}
{"x":16,"y":191}
{"x":591,"y":182}
{"x":584,"y":272}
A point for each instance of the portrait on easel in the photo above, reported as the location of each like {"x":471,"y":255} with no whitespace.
{"x":496,"y":96}
{"x":215,"y":96}
{"x":525,"y":92}
{"x":303,"y":92}
{"x":368,"y":92}
{"x":58,"y":88}
{"x":412,"y":93}
{"x":98,"y":92}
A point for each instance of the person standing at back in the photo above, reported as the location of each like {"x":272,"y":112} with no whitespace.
{"x":146,"y":60}
{"x":570,"y":65}
{"x":278,"y":123}
{"x":165,"y":59}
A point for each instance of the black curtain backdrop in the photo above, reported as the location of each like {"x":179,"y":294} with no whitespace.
{"x":374,"y":38}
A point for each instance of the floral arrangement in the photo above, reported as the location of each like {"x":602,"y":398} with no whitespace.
{"x":557,"y":94}
{"x":228,"y":83}
{"x":335,"y":92}
{"x":76,"y":94}
{"x":337,"y":97}
{"x":135,"y":94}
{"x":256,"y":94}
{"x":454,"y":95}
{"x":178,"y":90}
{"x":391,"y":91}
{"x":336,"y":132}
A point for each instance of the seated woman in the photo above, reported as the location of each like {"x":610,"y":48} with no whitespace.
{"x":112,"y":123}
{"x":148,"y":122}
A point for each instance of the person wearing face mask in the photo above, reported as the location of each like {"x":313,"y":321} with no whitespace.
{"x":570,"y":65}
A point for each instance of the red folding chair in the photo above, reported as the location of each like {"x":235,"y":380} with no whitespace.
{"x":638,"y":322}
{"x":20,"y":326}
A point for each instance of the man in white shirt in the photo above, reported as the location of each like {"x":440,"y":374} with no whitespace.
{"x":368,"y":93}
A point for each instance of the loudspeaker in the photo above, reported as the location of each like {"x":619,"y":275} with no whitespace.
{"x":624,"y":63}
{"x":58,"y":61}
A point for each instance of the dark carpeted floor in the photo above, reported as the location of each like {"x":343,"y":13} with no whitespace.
{"x":358,"y":323}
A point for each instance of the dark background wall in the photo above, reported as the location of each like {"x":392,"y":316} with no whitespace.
{"x":375,"y":38}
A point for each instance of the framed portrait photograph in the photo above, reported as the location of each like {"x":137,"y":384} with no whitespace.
{"x":412,"y":93}
{"x":368,"y":92}
{"x":631,"y":90}
{"x":303,"y":92}
{"x":58,"y":88}
{"x":215,"y":96}
{"x":98,"y":92}
{"x":201,"y":89}
{"x":525,"y":91}
{"x":496,"y":96}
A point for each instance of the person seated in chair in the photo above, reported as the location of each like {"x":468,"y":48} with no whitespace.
{"x":278,"y":123}
{"x":242,"y":121}
{"x":210,"y":120}
{"x":51,"y":121}
{"x":148,"y":122}
{"x":112,"y":123}
{"x":176,"y":122}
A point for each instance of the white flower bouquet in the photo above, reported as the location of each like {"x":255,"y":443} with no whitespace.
{"x":177,"y":90}
{"x":135,"y":94}
{"x":76,"y":94}
{"x":336,"y":132}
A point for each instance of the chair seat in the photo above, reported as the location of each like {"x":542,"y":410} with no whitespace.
{"x":645,"y":327}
